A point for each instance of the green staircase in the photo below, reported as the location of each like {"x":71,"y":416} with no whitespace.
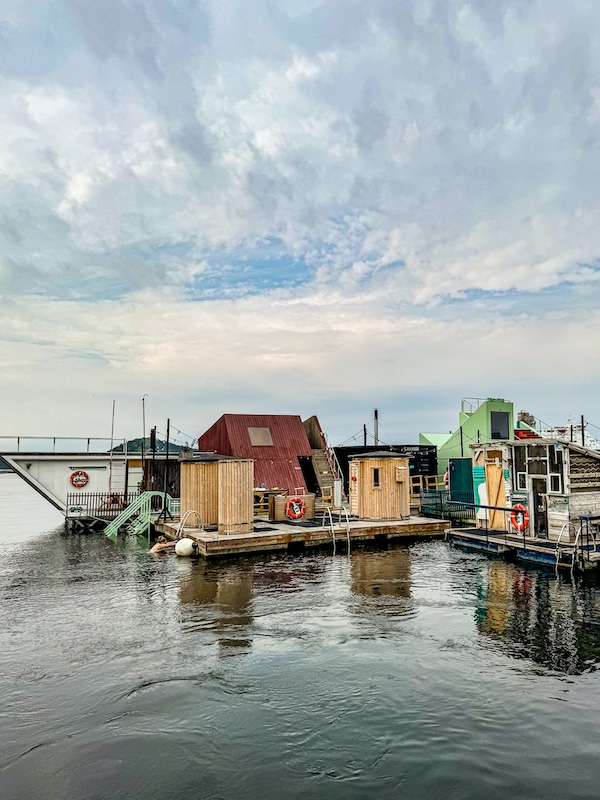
{"x":138,"y":516}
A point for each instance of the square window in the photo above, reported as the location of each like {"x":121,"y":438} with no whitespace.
{"x":260,"y":437}
{"x":555,"y":483}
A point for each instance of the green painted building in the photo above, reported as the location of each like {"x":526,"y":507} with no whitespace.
{"x":481,"y":420}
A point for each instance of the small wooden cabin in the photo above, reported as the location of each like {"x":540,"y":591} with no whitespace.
{"x":379,"y":486}
{"x":558,"y":483}
{"x":220,"y":489}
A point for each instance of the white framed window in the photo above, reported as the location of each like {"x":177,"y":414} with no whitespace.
{"x":555,"y":484}
{"x":521,"y":480}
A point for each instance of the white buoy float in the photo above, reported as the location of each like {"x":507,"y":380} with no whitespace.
{"x":185,"y":547}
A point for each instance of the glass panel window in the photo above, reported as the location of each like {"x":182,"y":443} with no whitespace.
{"x":537,"y":451}
{"x":260,"y":437}
{"x":538,"y":467}
{"x":499,"y":424}
{"x":521,"y":480}
{"x":555,"y":483}
{"x":555,"y":459}
{"x":519,"y":456}
{"x":375,"y":477}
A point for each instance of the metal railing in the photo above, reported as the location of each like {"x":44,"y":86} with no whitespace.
{"x":102,"y":505}
{"x":442,"y":504}
{"x":469,"y":405}
{"x":586,"y":541}
{"x":65,"y":444}
{"x":329,"y":513}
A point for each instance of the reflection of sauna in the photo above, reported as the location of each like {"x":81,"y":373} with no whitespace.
{"x":374,"y":575}
{"x":499,"y":597}
{"x":229,"y":591}
{"x":220,"y":489}
{"x":379,"y":486}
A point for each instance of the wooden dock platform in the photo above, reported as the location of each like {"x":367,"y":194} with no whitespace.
{"x":282,"y":535}
{"x":533,"y":549}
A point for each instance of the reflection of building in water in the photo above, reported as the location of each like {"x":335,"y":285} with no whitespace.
{"x":221,"y":595}
{"x":496,"y":612}
{"x":539,"y":616}
{"x":387,"y":573}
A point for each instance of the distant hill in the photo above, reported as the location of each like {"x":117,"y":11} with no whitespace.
{"x":135,"y":446}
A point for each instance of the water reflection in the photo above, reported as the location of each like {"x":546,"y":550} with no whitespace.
{"x":222,"y":595}
{"x":553,"y":620}
{"x":385,"y":573}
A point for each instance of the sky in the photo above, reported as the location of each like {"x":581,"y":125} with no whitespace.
{"x":297,"y":207}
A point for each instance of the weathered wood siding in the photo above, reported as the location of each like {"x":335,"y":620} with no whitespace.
{"x":200,"y":490}
{"x":278,"y":503}
{"x":236,"y":496}
{"x":390,"y":499}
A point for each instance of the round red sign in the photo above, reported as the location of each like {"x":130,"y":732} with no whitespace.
{"x":79,"y":478}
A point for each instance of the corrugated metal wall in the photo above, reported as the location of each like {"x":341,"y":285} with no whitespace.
{"x":276,"y":465}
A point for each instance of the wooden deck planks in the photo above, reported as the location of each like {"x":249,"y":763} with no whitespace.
{"x":281,"y":535}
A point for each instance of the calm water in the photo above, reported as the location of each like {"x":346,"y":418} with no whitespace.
{"x":416,"y":672}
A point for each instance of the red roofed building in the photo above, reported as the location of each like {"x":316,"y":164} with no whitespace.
{"x":277,"y":442}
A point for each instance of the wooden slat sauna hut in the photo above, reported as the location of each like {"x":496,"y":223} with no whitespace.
{"x":220,"y":489}
{"x":379,"y":486}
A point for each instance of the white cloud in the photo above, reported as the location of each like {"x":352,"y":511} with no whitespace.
{"x":408,"y":154}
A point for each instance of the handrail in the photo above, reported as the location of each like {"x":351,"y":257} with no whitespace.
{"x":575,"y":547}
{"x":562,"y":530}
{"x":336,"y":467}
{"x":141,"y":506}
{"x":184,"y":519}
{"x":345,"y":510}
{"x":327,"y":510}
{"x":54,"y":439}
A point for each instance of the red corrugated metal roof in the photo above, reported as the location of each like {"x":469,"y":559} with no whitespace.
{"x":276,"y":465}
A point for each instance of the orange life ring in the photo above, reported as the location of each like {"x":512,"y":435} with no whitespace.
{"x":295,"y":508}
{"x":519,"y":517}
{"x":79,"y":478}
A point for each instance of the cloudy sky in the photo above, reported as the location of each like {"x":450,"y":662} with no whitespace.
{"x":297,"y":206}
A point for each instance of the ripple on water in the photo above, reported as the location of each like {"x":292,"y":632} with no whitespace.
{"x":413,"y":672}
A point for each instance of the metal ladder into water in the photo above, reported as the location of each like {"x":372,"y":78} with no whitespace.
{"x":327,"y":511}
{"x":184,"y":519}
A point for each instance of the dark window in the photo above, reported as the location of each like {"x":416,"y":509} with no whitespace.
{"x":375,"y":477}
{"x":519,"y":456}
{"x":537,"y":451}
{"x":538,"y":467}
{"x":555,"y":459}
{"x":499,"y":424}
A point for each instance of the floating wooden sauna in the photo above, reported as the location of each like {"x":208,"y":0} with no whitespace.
{"x":379,"y":486}
{"x":220,"y":489}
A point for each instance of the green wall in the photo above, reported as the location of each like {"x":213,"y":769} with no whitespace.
{"x":476,"y":428}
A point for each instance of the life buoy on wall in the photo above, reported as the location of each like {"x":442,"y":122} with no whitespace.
{"x":519,"y":517}
{"x":79,"y":478}
{"x":295,"y":508}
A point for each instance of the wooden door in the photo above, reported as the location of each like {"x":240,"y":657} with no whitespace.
{"x":494,"y":478}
